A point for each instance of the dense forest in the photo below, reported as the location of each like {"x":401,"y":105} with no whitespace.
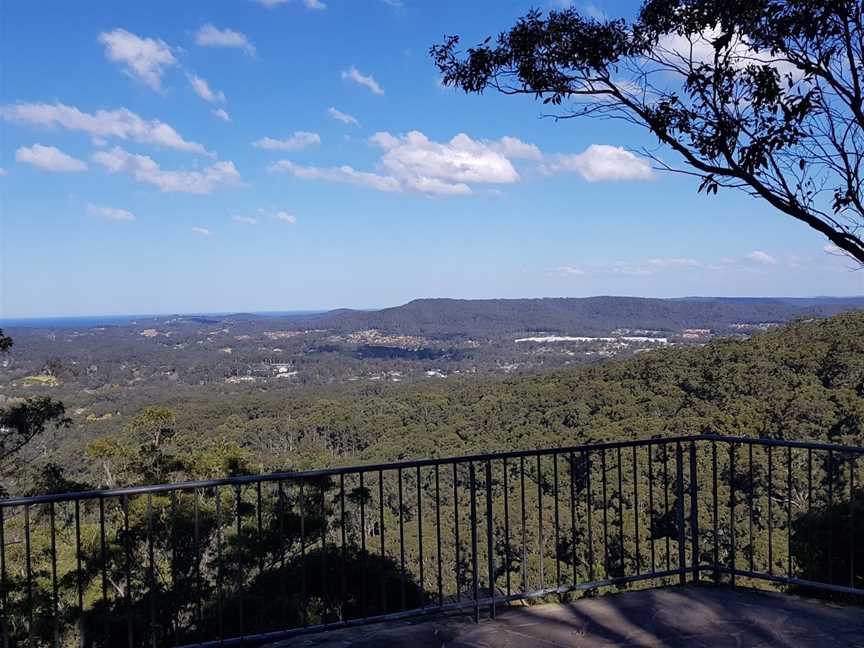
{"x":242,"y":557}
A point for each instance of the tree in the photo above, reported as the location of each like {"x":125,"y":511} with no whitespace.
{"x":24,"y":421}
{"x":759,"y":95}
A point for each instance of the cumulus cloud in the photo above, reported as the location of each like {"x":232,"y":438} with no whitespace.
{"x":145,"y":169}
{"x":345,"y":118}
{"x":210,"y":36}
{"x":203,"y":90}
{"x":285,"y":217}
{"x":110,"y":213}
{"x":514,"y":148}
{"x":144,"y":59}
{"x":444,"y":168}
{"x":602,"y":162}
{"x":49,"y":158}
{"x":202,"y":231}
{"x":2,"y":171}
{"x":309,"y":4}
{"x":367,"y":81}
{"x":299,"y":140}
{"x":345,"y":174}
{"x":222,"y":114}
{"x":245,"y":220}
{"x":762,"y":258}
{"x":121,"y":123}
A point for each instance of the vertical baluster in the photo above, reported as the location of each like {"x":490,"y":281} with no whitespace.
{"x":196,"y":531}
{"x":651,"y":522}
{"x":4,"y":599}
{"x":151,"y":571}
{"x":219,"y":570}
{"x":325,"y":581}
{"x":401,"y":544}
{"x":55,"y":595}
{"x":679,"y":464}
{"x":605,"y":515}
{"x":363,"y":567}
{"x":239,"y":543}
{"x":589,"y":513}
{"x":853,"y":459}
{"x":540,"y":539}
{"x":695,"y":554}
{"x":29,"y":572}
{"x":383,"y":541}
{"x":572,"y":516}
{"x":344,"y":544}
{"x":636,"y":511}
{"x":474,"y":576}
{"x":770,"y":510}
{"x":810,"y":540}
{"x":259,"y":528}
{"x":458,"y":566}
{"x":714,"y":509}
{"x":507,"y":559}
{"x":621,"y":513}
{"x":173,"y":566}
{"x":523,"y":565}
{"x":830,"y":565}
{"x":128,"y":547}
{"x":301,"y":502}
{"x":752,"y":551}
{"x":789,"y":511}
{"x":666,"y":502}
{"x":420,"y":537}
{"x":438,"y":536}
{"x":104,"y":565}
{"x":490,"y":540}
{"x":79,"y":576}
{"x":557,"y":532}
{"x":732,"y":512}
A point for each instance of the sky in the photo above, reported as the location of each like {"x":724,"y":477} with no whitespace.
{"x":263,"y":155}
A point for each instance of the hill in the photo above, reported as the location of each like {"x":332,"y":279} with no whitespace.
{"x":577,"y":316}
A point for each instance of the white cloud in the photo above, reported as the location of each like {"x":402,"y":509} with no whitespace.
{"x":145,"y":59}
{"x":571,"y":271}
{"x":299,"y":140}
{"x":433,"y":167}
{"x":145,"y":169}
{"x":202,"y":231}
{"x":222,"y":114}
{"x":285,"y":217}
{"x":345,"y":118}
{"x":368,"y":81}
{"x":514,"y":148}
{"x":111,"y":213}
{"x":309,"y":4}
{"x":49,"y":158}
{"x":121,"y":123}
{"x":203,"y":90}
{"x":245,"y":220}
{"x":762,"y":258}
{"x":211,"y":36}
{"x":343,"y":173}
{"x":2,"y":171}
{"x":601,"y":162}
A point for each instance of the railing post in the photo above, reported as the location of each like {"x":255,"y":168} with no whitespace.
{"x":694,"y":513}
{"x":490,"y":543}
{"x":679,"y":457}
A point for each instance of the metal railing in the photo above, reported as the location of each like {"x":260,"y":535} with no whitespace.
{"x":251,"y":559}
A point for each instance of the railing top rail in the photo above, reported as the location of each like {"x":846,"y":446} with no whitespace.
{"x":367,"y":468}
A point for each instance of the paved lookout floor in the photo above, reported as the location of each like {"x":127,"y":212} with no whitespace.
{"x":670,"y":617}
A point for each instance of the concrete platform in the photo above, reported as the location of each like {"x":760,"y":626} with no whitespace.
{"x":692,"y":617}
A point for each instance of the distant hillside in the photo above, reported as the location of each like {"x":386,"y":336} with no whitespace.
{"x":590,"y":315}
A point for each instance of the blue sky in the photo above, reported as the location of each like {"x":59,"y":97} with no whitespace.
{"x":216,"y":156}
